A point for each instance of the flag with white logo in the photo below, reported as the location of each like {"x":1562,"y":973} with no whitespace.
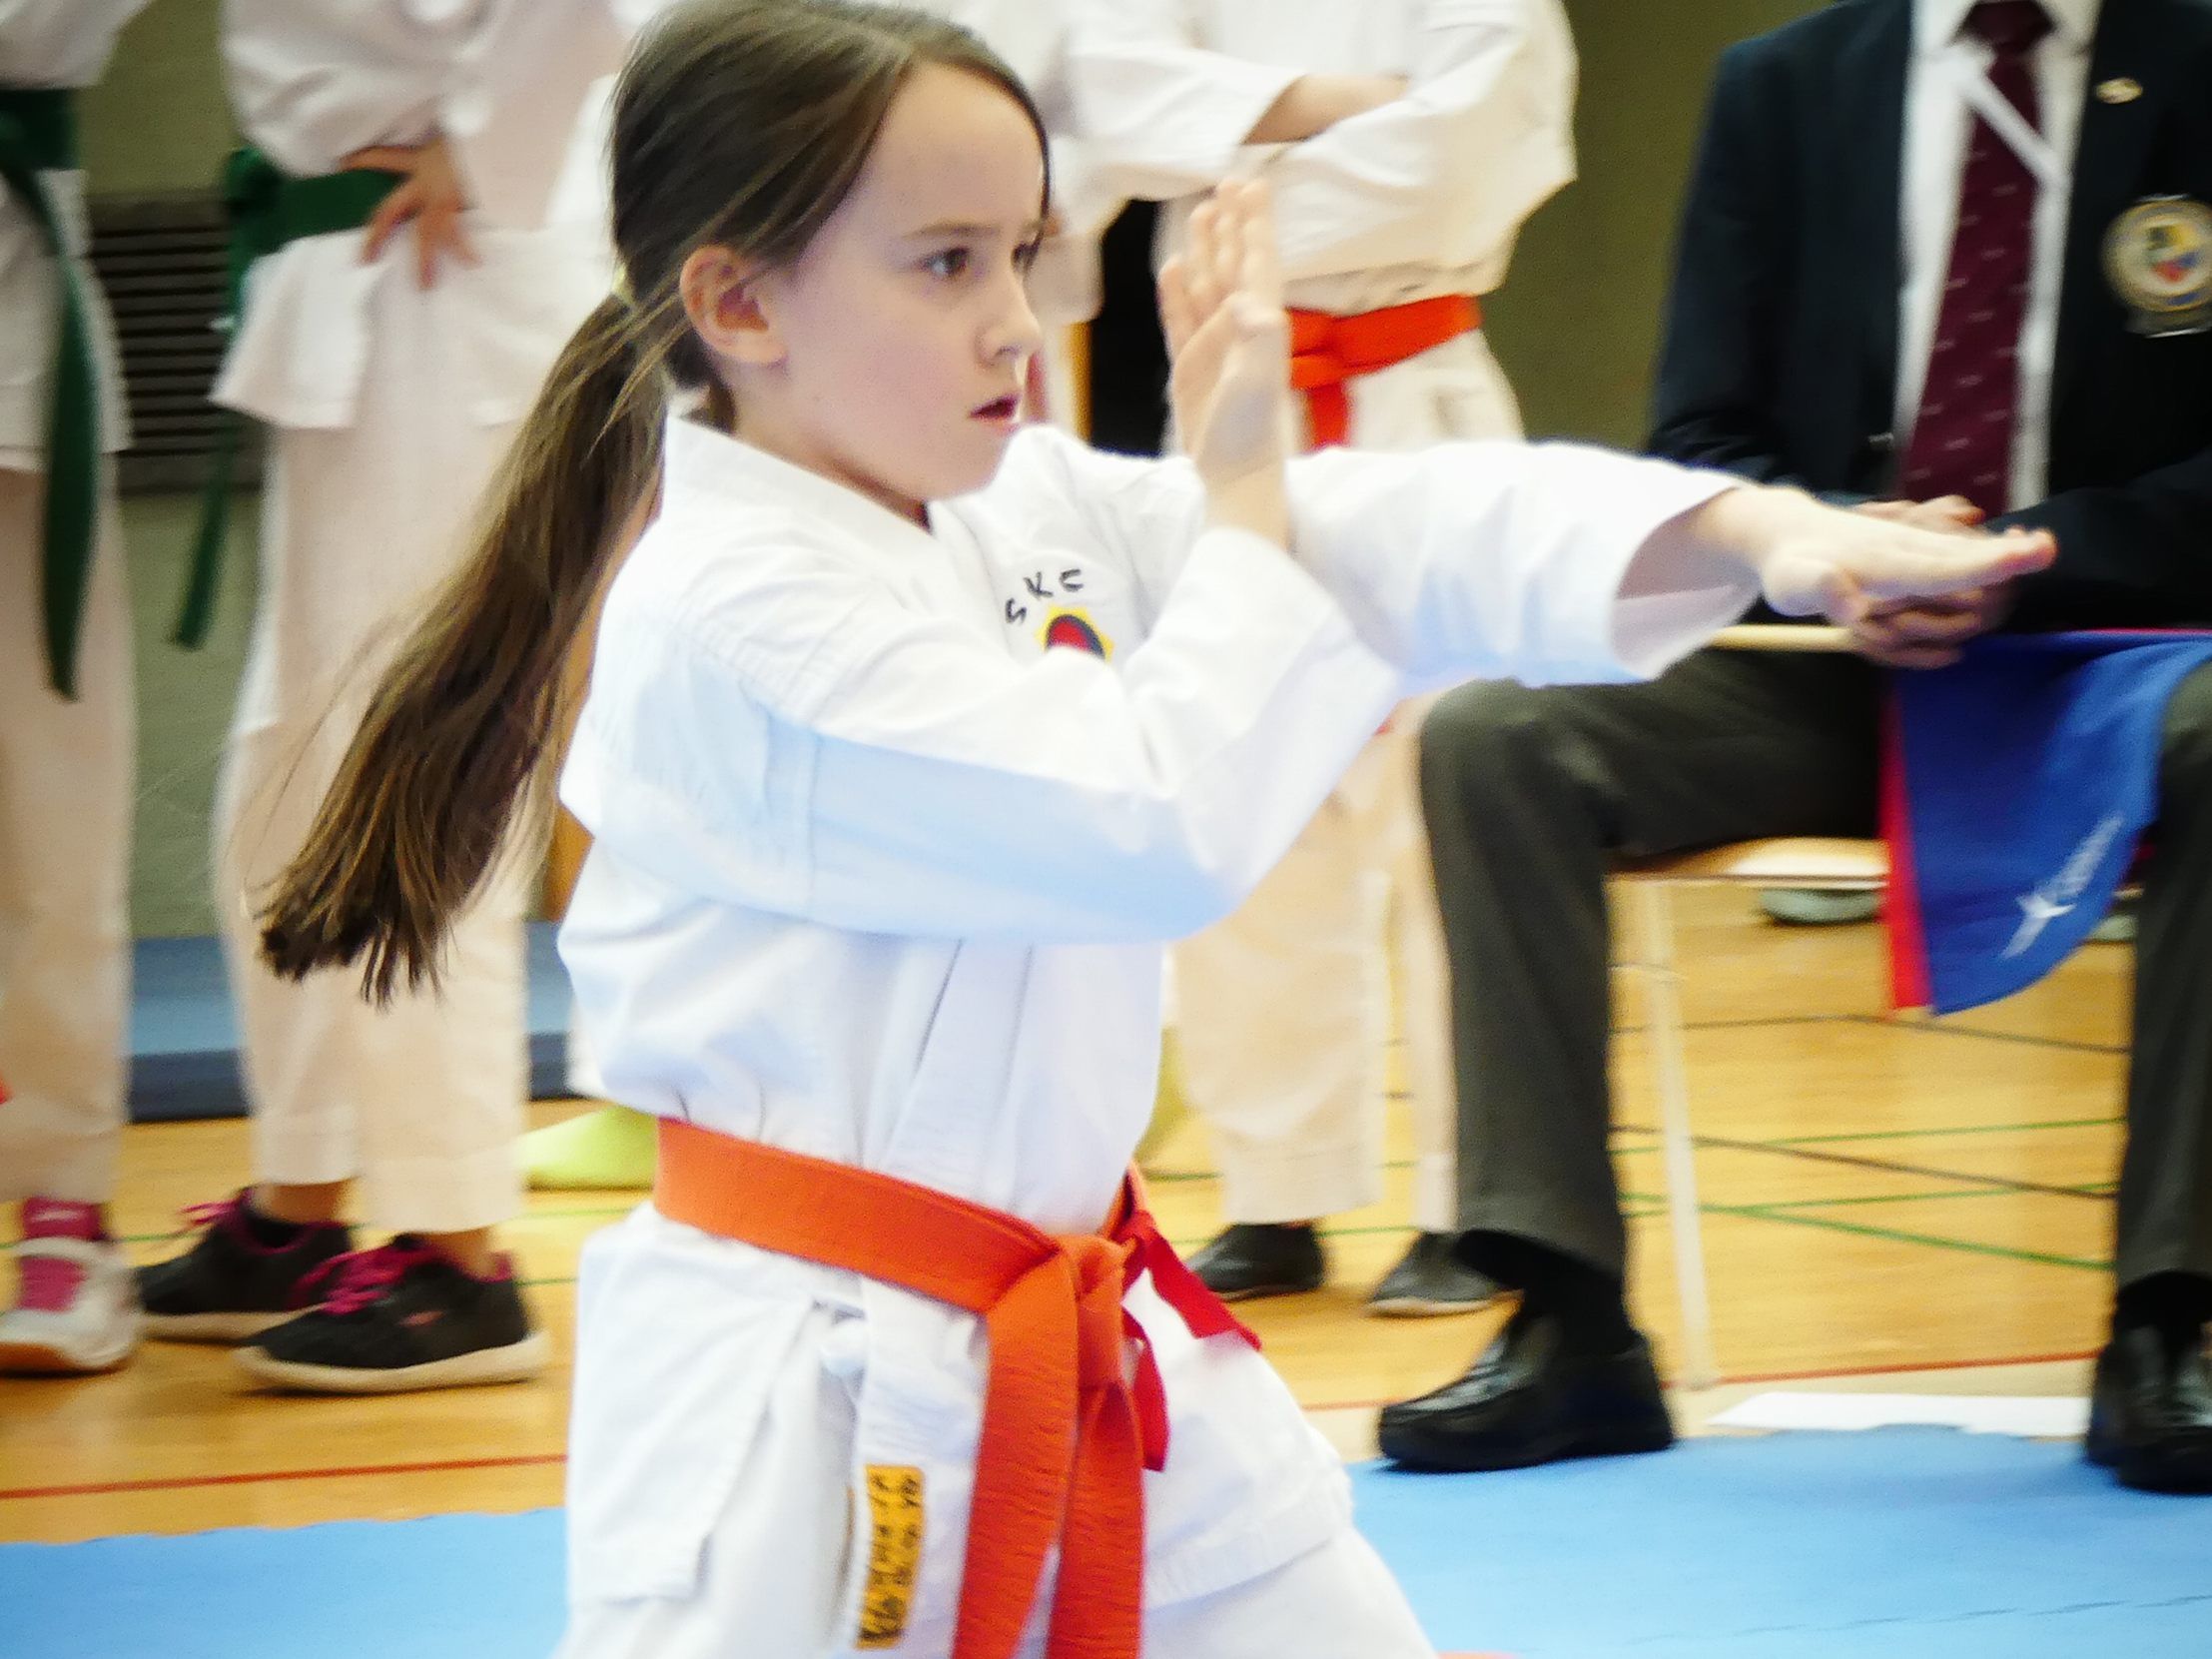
{"x":2016,"y":786}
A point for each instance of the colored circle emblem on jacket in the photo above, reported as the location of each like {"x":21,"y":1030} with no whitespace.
{"x":2158,"y":257}
{"x":1073,"y":629}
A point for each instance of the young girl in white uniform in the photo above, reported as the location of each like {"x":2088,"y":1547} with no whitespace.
{"x":391,"y":364}
{"x":1405,"y":142}
{"x":68,"y":722}
{"x":612,"y":1146}
{"x":910,"y":736}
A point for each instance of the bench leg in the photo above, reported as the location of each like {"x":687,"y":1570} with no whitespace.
{"x":1663,"y":1003}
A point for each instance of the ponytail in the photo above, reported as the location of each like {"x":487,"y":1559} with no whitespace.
{"x":455,"y":746}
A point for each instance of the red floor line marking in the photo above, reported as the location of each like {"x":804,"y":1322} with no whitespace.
{"x":182,"y":1482}
{"x":538,"y":1460}
{"x":1752,"y":1378}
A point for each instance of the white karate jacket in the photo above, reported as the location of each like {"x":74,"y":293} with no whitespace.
{"x":880,"y":878}
{"x":314,"y":81}
{"x":51,"y":43}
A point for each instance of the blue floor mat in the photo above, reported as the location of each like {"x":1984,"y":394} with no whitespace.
{"x":1907,"y":1544}
{"x":1904,"y":1543}
{"x":184,"y":1032}
{"x":451,"y":1587}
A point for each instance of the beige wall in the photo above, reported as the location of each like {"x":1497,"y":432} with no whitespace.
{"x":158,"y":121}
{"x":1575,"y":325}
{"x":1577,"y":322}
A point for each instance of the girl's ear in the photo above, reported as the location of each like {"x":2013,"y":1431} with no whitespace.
{"x":719,"y":298}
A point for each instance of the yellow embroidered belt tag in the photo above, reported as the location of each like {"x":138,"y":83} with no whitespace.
{"x":894,"y":1552}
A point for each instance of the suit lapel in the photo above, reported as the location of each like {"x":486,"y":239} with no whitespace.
{"x":1870,"y":176}
{"x":2108,"y":167}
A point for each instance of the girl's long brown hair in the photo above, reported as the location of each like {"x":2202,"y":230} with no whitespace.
{"x":739,"y":124}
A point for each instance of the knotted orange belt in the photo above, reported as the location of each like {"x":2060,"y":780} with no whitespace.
{"x":1328,"y":350}
{"x":1069,"y":1424}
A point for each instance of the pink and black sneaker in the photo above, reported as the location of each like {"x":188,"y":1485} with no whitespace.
{"x":244,"y":1273}
{"x":76,"y":1301}
{"x":399,"y":1317}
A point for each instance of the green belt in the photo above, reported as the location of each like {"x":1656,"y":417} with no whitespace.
{"x":38,"y":134}
{"x":267,"y":208}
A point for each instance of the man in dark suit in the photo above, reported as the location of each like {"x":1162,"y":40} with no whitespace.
{"x":1950,"y":260}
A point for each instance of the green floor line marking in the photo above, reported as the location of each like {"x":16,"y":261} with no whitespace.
{"x":1751,"y":1022}
{"x":1962,"y":1128}
{"x":1176,"y":1177}
{"x":1941,"y":1029}
{"x":1869,"y":1198}
{"x":1760,"y":1213}
{"x":1780,"y":1141}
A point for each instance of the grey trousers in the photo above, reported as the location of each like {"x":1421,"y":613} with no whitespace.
{"x":1528,"y":794}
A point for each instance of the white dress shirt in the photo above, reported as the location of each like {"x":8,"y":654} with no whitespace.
{"x":1938,"y":125}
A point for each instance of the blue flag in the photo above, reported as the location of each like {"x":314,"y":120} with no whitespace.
{"x":2017,"y":785}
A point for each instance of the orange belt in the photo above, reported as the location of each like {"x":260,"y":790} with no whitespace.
{"x":1067,"y":1427}
{"x":1328,"y":350}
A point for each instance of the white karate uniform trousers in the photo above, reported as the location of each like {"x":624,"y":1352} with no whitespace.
{"x":421,"y":1100}
{"x":1282,"y":1011}
{"x":66,"y":785}
{"x":1334,"y":1602}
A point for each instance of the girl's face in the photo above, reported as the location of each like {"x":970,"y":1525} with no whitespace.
{"x":894,"y":348}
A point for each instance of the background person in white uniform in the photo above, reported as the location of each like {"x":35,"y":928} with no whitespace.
{"x":68,"y":724}
{"x":880,"y":874}
{"x":1406,"y":142}
{"x":391,"y":364}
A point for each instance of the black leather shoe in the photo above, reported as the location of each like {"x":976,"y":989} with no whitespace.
{"x":1528,"y":1400}
{"x":1429,"y":1278}
{"x":2150,"y":1413}
{"x":1260,"y":1258}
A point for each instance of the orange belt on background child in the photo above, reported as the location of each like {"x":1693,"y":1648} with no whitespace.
{"x":1328,"y":350}
{"x":1067,"y":1427}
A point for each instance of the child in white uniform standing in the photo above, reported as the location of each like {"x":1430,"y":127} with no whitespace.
{"x":1405,"y":142}
{"x":391,"y":361}
{"x":68,"y":724}
{"x":873,"y":911}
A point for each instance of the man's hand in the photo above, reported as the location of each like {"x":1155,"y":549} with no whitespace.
{"x":429,"y":196}
{"x":1928,"y":634}
{"x":1946,"y":513}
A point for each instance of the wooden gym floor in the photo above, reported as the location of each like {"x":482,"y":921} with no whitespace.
{"x":1905,"y":1203}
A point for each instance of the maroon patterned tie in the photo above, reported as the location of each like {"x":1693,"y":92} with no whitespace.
{"x":1962,"y":439}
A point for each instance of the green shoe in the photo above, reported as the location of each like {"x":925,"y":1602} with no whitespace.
{"x":2118,"y":928}
{"x":1819,"y":907}
{"x":612,"y":1147}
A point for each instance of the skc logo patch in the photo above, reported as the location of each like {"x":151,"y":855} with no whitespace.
{"x":1073,"y":629}
{"x":1053,"y":603}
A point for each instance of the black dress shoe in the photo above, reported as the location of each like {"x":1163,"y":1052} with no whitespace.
{"x":1529,"y":1400}
{"x":2150,"y":1413}
{"x":1429,"y":1278}
{"x":1260,"y":1258}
